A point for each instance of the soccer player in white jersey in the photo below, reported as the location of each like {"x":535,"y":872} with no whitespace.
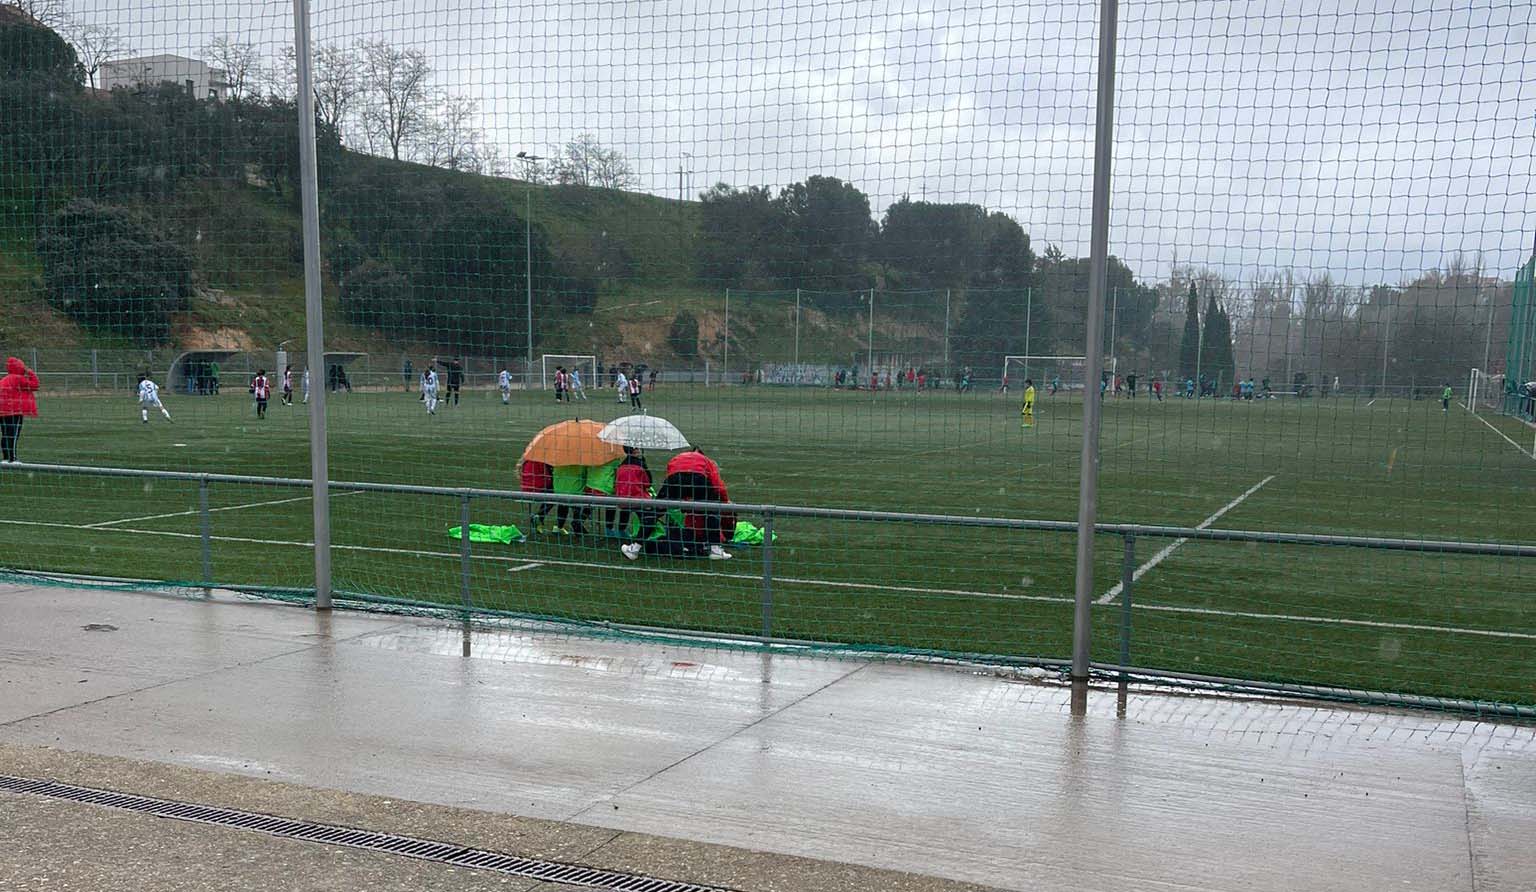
{"x":429,"y":389}
{"x":504,"y":384}
{"x":622,"y":385}
{"x":149,"y":398}
{"x":261,"y":389}
{"x":576,"y":390}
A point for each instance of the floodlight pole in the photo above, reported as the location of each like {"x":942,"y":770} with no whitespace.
{"x":1114,"y":319}
{"x":314,"y":319}
{"x":946,"y":332}
{"x":870,"y":347}
{"x":1487,"y":338}
{"x":528,"y":275}
{"x":1098,"y":269}
{"x":797,"y":335}
{"x":1386,"y":343}
{"x":1200,"y":349}
{"x":530,"y":163}
{"x":1029,"y":306}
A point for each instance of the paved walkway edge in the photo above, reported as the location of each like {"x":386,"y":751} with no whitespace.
{"x":656,"y":856}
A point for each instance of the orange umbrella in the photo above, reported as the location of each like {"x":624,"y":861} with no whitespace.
{"x":572,"y":443}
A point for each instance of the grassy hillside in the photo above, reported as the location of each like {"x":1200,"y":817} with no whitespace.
{"x":246,"y":243}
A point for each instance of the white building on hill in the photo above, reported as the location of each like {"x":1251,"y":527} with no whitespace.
{"x":199,"y":79}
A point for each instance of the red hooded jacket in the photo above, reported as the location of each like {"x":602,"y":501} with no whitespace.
{"x":16,"y":389}
{"x":633,"y":481}
{"x":537,"y":477}
{"x":698,"y":463}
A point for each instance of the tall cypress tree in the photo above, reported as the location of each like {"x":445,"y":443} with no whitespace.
{"x":1189,"y":346}
{"x":1218,"y":362}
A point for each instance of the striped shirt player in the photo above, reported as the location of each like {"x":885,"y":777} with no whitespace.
{"x":261,"y":389}
{"x":149,"y":398}
{"x":634,"y":391}
{"x":504,"y":384}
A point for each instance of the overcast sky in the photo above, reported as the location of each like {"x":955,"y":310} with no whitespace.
{"x":1344,"y":137}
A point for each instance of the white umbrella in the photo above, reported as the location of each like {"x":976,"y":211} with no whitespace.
{"x":644,"y":432}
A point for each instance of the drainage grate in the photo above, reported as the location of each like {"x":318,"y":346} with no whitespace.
{"x":410,"y":847}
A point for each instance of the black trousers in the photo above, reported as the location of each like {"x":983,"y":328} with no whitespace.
{"x":691,"y":486}
{"x":10,"y":432}
{"x":623,"y":516}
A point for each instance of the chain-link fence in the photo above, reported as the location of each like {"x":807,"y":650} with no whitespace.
{"x":836,"y":267}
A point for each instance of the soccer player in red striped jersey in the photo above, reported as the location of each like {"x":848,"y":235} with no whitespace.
{"x":261,"y":388}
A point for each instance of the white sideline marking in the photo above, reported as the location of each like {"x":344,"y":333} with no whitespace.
{"x":826,"y":583}
{"x":532,"y":565}
{"x":1518,"y":447}
{"x":1114,"y":591}
{"x":109,"y":523}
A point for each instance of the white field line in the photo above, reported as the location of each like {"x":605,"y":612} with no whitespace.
{"x":109,"y":523}
{"x":531,"y":565}
{"x":1518,"y":447}
{"x":1162,"y":554}
{"x":822,"y":583}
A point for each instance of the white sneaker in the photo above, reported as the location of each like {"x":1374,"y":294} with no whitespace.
{"x":716,"y":553}
{"x":631,"y":550}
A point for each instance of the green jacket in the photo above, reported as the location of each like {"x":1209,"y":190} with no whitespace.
{"x":570,"y":480}
{"x":604,"y":478}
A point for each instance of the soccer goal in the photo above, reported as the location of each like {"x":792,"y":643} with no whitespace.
{"x":1050,"y":372}
{"x":1485,"y":392}
{"x":586,"y":364}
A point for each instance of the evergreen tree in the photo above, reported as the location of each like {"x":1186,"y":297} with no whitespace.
{"x":1189,"y":346}
{"x":1218,"y":363}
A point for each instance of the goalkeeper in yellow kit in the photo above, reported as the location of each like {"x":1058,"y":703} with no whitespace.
{"x":1028,"y":412}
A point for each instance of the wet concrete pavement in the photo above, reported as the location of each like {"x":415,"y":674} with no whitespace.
{"x":924,"y":769}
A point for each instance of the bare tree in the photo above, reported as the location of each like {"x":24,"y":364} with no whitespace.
{"x":613,"y":171}
{"x":94,"y":44}
{"x":48,"y":13}
{"x":241,"y":63}
{"x":492,"y":162}
{"x":399,"y":94}
{"x":449,"y":137}
{"x":339,"y":81}
{"x":585,"y":162}
{"x":281,"y":78}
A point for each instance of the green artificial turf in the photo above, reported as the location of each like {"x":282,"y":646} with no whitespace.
{"x":1455,"y":626}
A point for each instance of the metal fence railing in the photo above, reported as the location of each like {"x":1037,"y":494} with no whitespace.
{"x":1119,"y":610}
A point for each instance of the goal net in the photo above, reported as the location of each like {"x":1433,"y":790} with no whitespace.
{"x":1050,"y":373}
{"x":1485,"y":391}
{"x":585,"y":364}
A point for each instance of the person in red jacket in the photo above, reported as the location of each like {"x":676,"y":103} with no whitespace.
{"x":693,"y":477}
{"x":16,"y":404}
{"x":538,"y":477}
{"x":633,"y":481}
